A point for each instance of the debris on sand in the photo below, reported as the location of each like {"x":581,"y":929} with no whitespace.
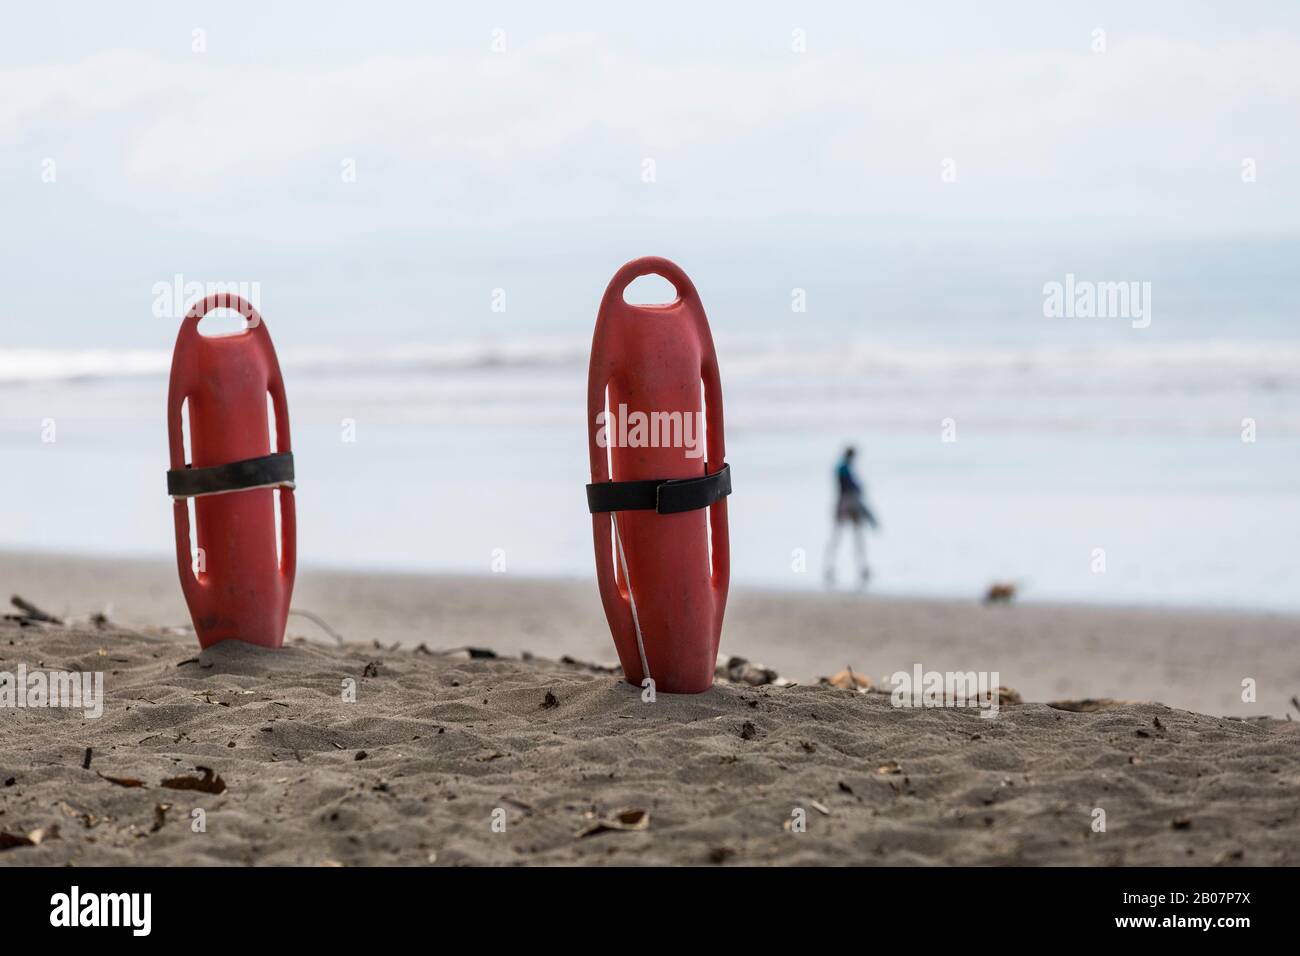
{"x":1090,"y":705}
{"x":122,"y":781}
{"x":1008,"y":696}
{"x":208,"y":783}
{"x":738,"y":670}
{"x":592,"y":667}
{"x":849,"y":679}
{"x":624,"y":820}
{"x":9,"y":841}
{"x":1000,"y":592}
{"x":31,"y":613}
{"x":319,"y":622}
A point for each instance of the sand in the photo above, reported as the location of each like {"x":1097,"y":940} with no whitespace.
{"x":450,"y":760}
{"x":1192,"y":659}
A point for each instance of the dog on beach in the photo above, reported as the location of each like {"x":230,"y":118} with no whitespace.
{"x":1000,"y":592}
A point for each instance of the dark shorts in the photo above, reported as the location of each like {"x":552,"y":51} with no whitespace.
{"x":850,"y":509}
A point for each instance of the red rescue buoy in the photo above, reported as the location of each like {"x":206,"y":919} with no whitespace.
{"x":239,"y":582}
{"x":659,"y":482}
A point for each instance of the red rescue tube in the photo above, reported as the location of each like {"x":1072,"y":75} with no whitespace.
{"x":659,"y":511}
{"x":238,"y":587}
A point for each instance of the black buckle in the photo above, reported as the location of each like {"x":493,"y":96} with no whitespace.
{"x":664,"y":495}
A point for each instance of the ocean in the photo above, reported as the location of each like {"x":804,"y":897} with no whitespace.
{"x":1085,"y":459}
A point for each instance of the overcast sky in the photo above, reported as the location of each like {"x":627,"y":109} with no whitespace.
{"x":226,"y":152}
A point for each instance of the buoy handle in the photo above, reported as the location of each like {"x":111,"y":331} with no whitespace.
{"x":651,"y":265}
{"x":224,"y":300}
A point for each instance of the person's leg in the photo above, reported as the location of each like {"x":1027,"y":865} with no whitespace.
{"x":831,"y":549}
{"x":860,"y":549}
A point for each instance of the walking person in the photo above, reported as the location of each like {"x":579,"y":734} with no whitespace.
{"x":850,"y":509}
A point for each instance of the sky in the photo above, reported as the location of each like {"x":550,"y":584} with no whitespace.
{"x":392,"y":163}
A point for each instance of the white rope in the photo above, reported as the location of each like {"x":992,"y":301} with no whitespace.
{"x":636,"y":621}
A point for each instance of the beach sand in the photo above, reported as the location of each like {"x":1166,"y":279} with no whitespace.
{"x":451,"y":760}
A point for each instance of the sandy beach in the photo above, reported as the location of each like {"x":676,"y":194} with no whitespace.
{"x":448,"y":758}
{"x":1186,"y":658}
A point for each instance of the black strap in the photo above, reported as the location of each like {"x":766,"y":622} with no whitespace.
{"x":267,"y":471}
{"x":664,"y":495}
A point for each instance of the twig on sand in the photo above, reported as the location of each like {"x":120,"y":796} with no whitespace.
{"x":31,"y":612}
{"x":320,"y":622}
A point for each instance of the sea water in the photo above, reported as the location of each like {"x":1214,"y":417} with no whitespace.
{"x":1098,"y":469}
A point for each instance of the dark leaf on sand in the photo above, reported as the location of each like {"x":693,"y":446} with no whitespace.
{"x":748,"y":731}
{"x":9,"y":841}
{"x":123,"y":781}
{"x":208,"y":783}
{"x":371,"y":669}
{"x":549,"y":701}
{"x":1181,"y":823}
{"x":85,"y":761}
{"x":32,"y":613}
{"x":589,"y":666}
{"x":624,"y":820}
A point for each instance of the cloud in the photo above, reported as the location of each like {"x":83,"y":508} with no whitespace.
{"x":558,"y":129}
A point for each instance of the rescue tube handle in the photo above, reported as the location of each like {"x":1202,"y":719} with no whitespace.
{"x":224,"y":300}
{"x":651,"y":265}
